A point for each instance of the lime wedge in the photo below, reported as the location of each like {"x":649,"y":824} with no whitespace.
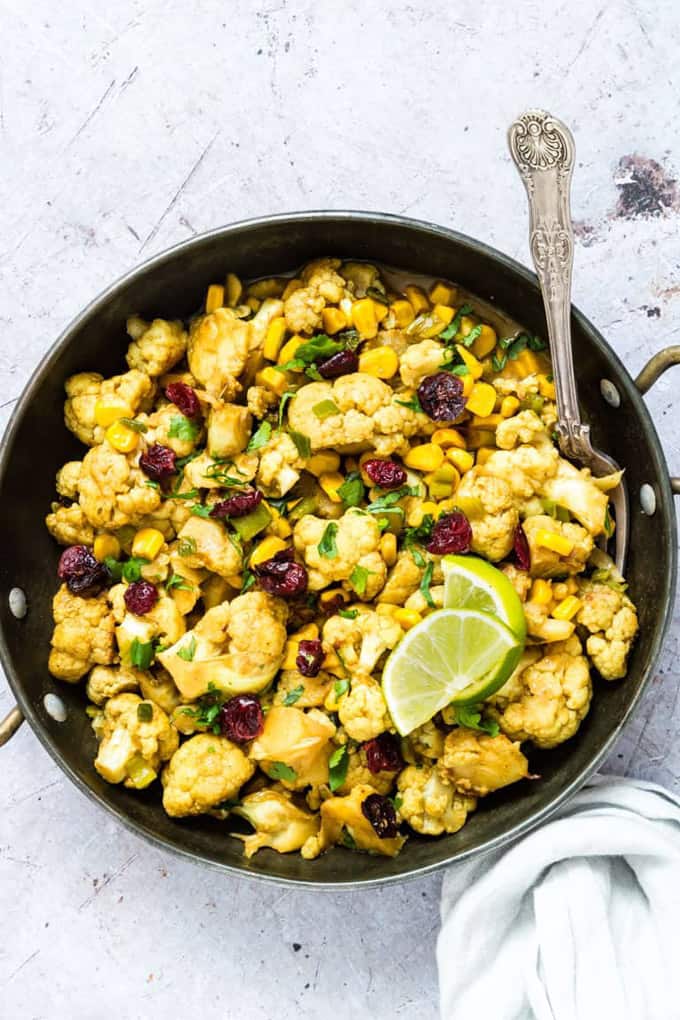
{"x":458,"y":656}
{"x":471,"y":583}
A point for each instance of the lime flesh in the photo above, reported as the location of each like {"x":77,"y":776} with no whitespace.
{"x":472,"y":583}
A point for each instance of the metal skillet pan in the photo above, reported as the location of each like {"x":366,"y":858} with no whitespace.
{"x":172,"y":284}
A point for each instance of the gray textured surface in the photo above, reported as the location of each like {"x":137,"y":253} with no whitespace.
{"x":128,"y":127}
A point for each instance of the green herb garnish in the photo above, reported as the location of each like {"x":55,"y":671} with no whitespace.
{"x":179,"y":582}
{"x":390,"y":499}
{"x":470,"y":716}
{"x":279,"y":770}
{"x":337,"y":767}
{"x":416,"y":536}
{"x":188,"y":650}
{"x":319,"y":348}
{"x":451,"y":331}
{"x":132,"y":569}
{"x":498,"y":362}
{"x":358,"y":579}
{"x":352,"y":490}
{"x":260,"y":438}
{"x":425,"y":583}
{"x":348,"y":614}
{"x":377,"y":295}
{"x":184,"y":429}
{"x":608,"y":523}
{"x":151,"y":484}
{"x":207,"y":709}
{"x":248,"y":581}
{"x":114,"y":567}
{"x":141,"y":653}
{"x":468,"y":340}
{"x":302,"y":444}
{"x":327,"y":547}
{"x":198,"y":510}
{"x":413,"y":404}
{"x":285,"y":397}
{"x":294,"y":695}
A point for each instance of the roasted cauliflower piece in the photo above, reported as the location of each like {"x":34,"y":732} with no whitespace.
{"x":359,"y":774}
{"x":217,"y":351}
{"x":106,"y":682}
{"x":68,"y":479}
{"x":402,"y":580}
{"x":577,"y":491}
{"x":543,"y":627}
{"x":158,"y":686}
{"x":278,"y":823}
{"x":545,"y":700}
{"x":204,"y":472}
{"x":492,"y":513}
{"x":429,"y":805}
{"x":238,"y":647}
{"x":547,"y":563}
{"x":363,"y":640}
{"x":322,"y":286}
{"x":525,"y":427}
{"x":363,"y":711}
{"x":163,"y":623}
{"x":611,"y":619}
{"x":309,"y":691}
{"x":280,"y":465}
{"x":113,"y":490}
{"x":83,"y":635}
{"x":169,"y":427}
{"x":260,"y":400}
{"x":136,"y":737}
{"x":229,"y":427}
{"x":477,"y":764}
{"x":340,"y":815}
{"x":203,"y":772}
{"x":214,"y":549}
{"x":69,"y":525}
{"x":420,"y":360}
{"x":83,"y":390}
{"x":156,"y":346}
{"x":360,"y":276}
{"x":297,"y":740}
{"x":357,"y":541}
{"x":368,"y":416}
{"x":525,"y":470}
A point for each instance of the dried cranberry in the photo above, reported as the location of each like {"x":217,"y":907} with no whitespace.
{"x":521,"y":548}
{"x":441,"y":396}
{"x":140,"y":597}
{"x":383,"y":754}
{"x":184,"y":398}
{"x":158,"y":462}
{"x":339,"y":364}
{"x":330,"y":606}
{"x":84,"y":575}
{"x":451,"y":534}
{"x":385,"y":473}
{"x":309,"y":657}
{"x":238,"y":505}
{"x":241,"y":718}
{"x":381,"y":814}
{"x":281,"y":575}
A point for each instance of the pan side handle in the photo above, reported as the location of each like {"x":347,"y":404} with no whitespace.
{"x":10,"y":724}
{"x":653,"y":370}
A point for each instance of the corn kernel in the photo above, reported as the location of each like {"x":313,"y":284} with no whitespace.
{"x":290,"y":288}
{"x":417,"y":299}
{"x":448,"y":437}
{"x":546,"y":387}
{"x":426,"y":457}
{"x":323,"y":463}
{"x":147,"y":543}
{"x":468,"y":383}
{"x":509,"y":406}
{"x":541,"y":592}
{"x":388,"y":548}
{"x":442,"y":293}
{"x":267,"y":548}
{"x":554,"y":541}
{"x":333,"y":665}
{"x":234,"y":290}
{"x":235,"y":581}
{"x":272,"y":380}
{"x":290,"y":654}
{"x":276,"y":330}
{"x":475,"y":367}
{"x":483,"y":454}
{"x":421,"y":510}
{"x":111,"y":408}
{"x":443,"y":313}
{"x":407,"y":618}
{"x":381,"y":362}
{"x":491,"y":421}
{"x":462,"y":459}
{"x":121,"y":437}
{"x":527,"y":363}
{"x":330,"y":596}
{"x":333,"y":320}
{"x":381,"y":310}
{"x":572,"y":585}
{"x":567,"y":608}
{"x":481,"y":400}
{"x":281,"y":527}
{"x":214,"y":298}
{"x":269,"y":288}
{"x":287,"y":352}
{"x":363,"y":318}
{"x":106,"y":545}
{"x":330,"y":483}
{"x":485,"y":342}
{"x":403,"y":313}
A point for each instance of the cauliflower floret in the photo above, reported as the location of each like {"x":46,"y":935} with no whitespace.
{"x":69,"y":525}
{"x":363,"y":711}
{"x":522,"y":388}
{"x":363,"y":640}
{"x":525,"y":469}
{"x":159,"y":687}
{"x":300,"y":741}
{"x":164,"y":623}
{"x":359,"y":774}
{"x":575,"y":489}
{"x":361,"y":276}
{"x":477,"y":764}
{"x":271,"y":308}
{"x":229,"y":427}
{"x":315,"y":689}
{"x":430,"y":806}
{"x":83,"y":635}
{"x":169,"y":427}
{"x":106,"y":682}
{"x":525,"y":427}
{"x":280,"y":465}
{"x":218,"y":350}
{"x":134,"y":741}
{"x":213,"y":548}
{"x":206,"y":770}
{"x":519,"y":579}
{"x":545,"y":701}
{"x":322,"y":286}
{"x":206,"y":473}
{"x":260,"y":400}
{"x":546,"y":562}
{"x":402,"y":581}
{"x":427,"y":741}
{"x":68,"y":479}
{"x":83,"y":391}
{"x":113,"y":490}
{"x":238,"y":646}
{"x":344,"y":813}
{"x":278,"y":823}
{"x":418,"y":601}
{"x":494,"y":516}
{"x":157,"y":346}
{"x":419,"y":361}
{"x":357,"y":541}
{"x":611,"y":618}
{"x":368,"y":416}
{"x":543,"y":627}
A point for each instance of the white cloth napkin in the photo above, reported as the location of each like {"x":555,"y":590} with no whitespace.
{"x":579,"y":920}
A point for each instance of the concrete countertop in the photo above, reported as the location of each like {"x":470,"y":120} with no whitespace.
{"x":127,"y":128}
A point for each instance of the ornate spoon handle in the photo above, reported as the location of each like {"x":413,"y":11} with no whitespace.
{"x":542,"y":149}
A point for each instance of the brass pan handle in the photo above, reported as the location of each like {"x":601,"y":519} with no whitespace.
{"x":10,"y":724}
{"x":653,"y":370}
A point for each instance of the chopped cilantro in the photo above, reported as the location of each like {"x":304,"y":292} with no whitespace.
{"x":114,"y":567}
{"x":294,"y":695}
{"x":358,"y":579}
{"x":279,"y":770}
{"x":151,"y":484}
{"x":188,"y":650}
{"x":285,"y":397}
{"x":498,"y":362}
{"x":352,"y":490}
{"x":132,"y":569}
{"x":302,"y":443}
{"x":459,"y":370}
{"x":179,"y":582}
{"x":337,"y":767}
{"x":413,"y":404}
{"x":248,"y":581}
{"x":260,"y":438}
{"x":416,"y":536}
{"x":207,"y":709}
{"x":470,"y":716}
{"x":198,"y":510}
{"x":450,"y":332}
{"x":141,"y":653}
{"x":475,"y":332}
{"x":184,"y":429}
{"x":390,"y":499}
{"x":425,"y":585}
{"x":327,"y":547}
{"x":308,"y":354}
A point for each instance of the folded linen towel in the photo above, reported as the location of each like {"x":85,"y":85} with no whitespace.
{"x":578,"y":920}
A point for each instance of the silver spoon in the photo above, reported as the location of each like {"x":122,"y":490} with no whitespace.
{"x":542,"y":149}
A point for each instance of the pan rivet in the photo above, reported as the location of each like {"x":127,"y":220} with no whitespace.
{"x":647,"y":499}
{"x":55,"y":707}
{"x":17,"y":603}
{"x":610,"y":393}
